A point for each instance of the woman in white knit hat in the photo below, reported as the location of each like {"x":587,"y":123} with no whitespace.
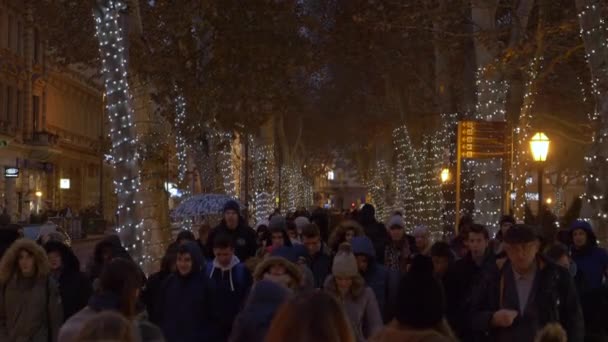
{"x":358,"y":301}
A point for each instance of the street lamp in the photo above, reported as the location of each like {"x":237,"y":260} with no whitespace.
{"x":38,"y":193}
{"x":539,"y":146}
{"x":445,"y":175}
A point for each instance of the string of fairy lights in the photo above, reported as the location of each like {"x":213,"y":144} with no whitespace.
{"x":594,"y":33}
{"x":123,"y":151}
{"x":264,"y":193}
{"x":181,"y":145}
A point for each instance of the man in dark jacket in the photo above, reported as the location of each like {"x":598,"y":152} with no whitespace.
{"x":383,"y":282}
{"x":228,"y":283}
{"x":518,"y":299}
{"x":463,"y":276}
{"x":74,"y":287}
{"x":374,"y":230}
{"x":234,"y":225}
{"x":318,"y":259}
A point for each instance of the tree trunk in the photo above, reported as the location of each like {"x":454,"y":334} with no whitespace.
{"x":594,"y":34}
{"x":110,"y":20}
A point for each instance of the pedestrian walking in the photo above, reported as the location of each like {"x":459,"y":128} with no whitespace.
{"x":253,"y":322}
{"x":384,"y":283}
{"x":315,"y":316}
{"x":344,"y":232}
{"x":358,"y":300}
{"x":234,"y":225}
{"x":442,"y":256}
{"x":74,"y":286}
{"x":516,"y":300}
{"x":154,"y":286}
{"x":228,"y":283}
{"x":297,"y":256}
{"x":280,"y":271}
{"x":374,"y":230}
{"x":420,"y":308}
{"x":30,"y":304}
{"x":423,"y":240}
{"x":399,"y":247}
{"x":183,"y":306}
{"x":119,"y":286}
{"x":278,"y":236}
{"x":590,"y":259}
{"x":463,"y":276}
{"x":302,"y":222}
{"x":319,"y":260}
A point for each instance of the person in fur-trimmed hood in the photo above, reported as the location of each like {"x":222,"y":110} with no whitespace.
{"x":279,"y":270}
{"x":358,"y":300}
{"x":30,"y":304}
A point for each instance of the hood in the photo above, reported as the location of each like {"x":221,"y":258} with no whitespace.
{"x":216,"y":265}
{"x":339,"y":234}
{"x":185,"y":235}
{"x":391,"y":333}
{"x":69,"y":260}
{"x":264,"y":266}
{"x":113,"y":243}
{"x":192,"y":248}
{"x":8,"y":264}
{"x":363,"y":245}
{"x":266,"y":293}
{"x":367,"y":214}
{"x":584,"y":225}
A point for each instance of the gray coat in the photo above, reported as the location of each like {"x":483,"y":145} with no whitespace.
{"x":360,"y":306}
{"x":30,"y":308}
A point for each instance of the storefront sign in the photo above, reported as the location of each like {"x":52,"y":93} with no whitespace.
{"x":11,"y":172}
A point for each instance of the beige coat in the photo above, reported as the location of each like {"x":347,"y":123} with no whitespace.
{"x":30,"y":308}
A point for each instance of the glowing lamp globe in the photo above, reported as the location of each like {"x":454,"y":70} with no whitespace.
{"x":539,"y":146}
{"x":445,"y":175}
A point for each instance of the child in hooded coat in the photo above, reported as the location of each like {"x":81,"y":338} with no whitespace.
{"x":182,"y":302}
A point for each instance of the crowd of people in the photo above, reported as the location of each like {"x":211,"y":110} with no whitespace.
{"x":298,"y":279}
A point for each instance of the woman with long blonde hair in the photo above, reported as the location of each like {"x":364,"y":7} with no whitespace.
{"x":315,"y":316}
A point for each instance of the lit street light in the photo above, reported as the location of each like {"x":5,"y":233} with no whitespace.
{"x":539,"y":146}
{"x":445,"y":175}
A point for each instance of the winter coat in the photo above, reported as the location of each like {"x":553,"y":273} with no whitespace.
{"x":297,"y":255}
{"x":244,"y":237}
{"x":554,"y":296}
{"x":384,"y":283}
{"x":459,"y":282}
{"x":252,"y":324}
{"x":30,"y":307}
{"x":394,"y":332}
{"x":74,"y":286}
{"x":360,"y":306}
{"x":374,"y":230}
{"x":591,"y":260}
{"x":183,"y":307}
{"x":145,"y":331}
{"x":226,"y":291}
{"x":320,"y":265}
{"x":292,"y":280}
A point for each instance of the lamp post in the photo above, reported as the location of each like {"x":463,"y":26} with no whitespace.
{"x":445,"y":175}
{"x":539,"y":147}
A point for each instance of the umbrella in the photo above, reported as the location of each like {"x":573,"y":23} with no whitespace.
{"x":204,"y":204}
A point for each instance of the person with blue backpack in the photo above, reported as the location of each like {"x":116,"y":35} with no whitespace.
{"x":228,"y":284}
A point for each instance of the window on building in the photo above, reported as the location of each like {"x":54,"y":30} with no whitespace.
{"x":36,"y":112}
{"x":10,"y":33}
{"x":20,"y":38}
{"x":330,"y":175}
{"x":37,"y":47}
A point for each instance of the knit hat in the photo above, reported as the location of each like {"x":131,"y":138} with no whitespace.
{"x":301,"y":222}
{"x":420,"y":300}
{"x":421,"y":230}
{"x":277,"y":222}
{"x":232,"y":205}
{"x":345,"y":263}
{"x":396,"y":221}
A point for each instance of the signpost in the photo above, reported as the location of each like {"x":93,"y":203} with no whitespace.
{"x":11,"y":172}
{"x":481,"y":140}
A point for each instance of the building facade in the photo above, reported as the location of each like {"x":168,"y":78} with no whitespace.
{"x":51,"y":125}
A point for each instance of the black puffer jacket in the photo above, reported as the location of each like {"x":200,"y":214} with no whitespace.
{"x":245,"y":239}
{"x":555,"y":297}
